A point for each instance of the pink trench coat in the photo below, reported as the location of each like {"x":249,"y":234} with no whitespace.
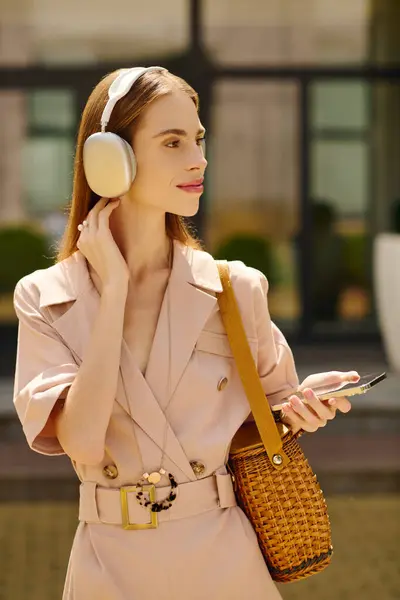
{"x":204,"y":548}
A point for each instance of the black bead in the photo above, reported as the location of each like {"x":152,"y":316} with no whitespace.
{"x":147,"y":502}
{"x":172,"y":496}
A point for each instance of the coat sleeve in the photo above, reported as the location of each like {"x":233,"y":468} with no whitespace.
{"x":275,"y":362}
{"x":44,"y":369}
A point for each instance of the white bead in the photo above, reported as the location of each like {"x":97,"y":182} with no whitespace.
{"x":154,"y":477}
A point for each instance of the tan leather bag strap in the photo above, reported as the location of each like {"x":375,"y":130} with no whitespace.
{"x":247,"y":369}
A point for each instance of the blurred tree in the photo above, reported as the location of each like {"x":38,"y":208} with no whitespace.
{"x":255,"y":251}
{"x":22,"y":250}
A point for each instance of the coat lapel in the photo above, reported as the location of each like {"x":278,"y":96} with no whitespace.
{"x":188,"y":303}
{"x":144,"y":409}
{"x":69,"y":282}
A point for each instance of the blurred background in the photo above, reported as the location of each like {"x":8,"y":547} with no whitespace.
{"x":301,"y":102}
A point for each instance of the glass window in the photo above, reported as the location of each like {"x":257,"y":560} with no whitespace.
{"x":287,"y":31}
{"x":252,"y":185}
{"x":340,"y":172}
{"x":340,"y":105}
{"x":47,"y":173}
{"x":53,"y":109}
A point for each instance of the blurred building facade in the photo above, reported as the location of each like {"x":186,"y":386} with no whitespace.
{"x":301,"y":101}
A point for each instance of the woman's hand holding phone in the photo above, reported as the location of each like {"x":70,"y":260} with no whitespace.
{"x":316,"y":413}
{"x":97,"y":244}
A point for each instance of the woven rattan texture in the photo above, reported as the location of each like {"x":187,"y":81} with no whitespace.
{"x":287,"y":509}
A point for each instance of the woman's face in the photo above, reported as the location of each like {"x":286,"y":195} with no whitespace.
{"x":169,"y":150}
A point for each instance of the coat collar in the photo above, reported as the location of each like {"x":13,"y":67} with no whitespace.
{"x":66,"y":280}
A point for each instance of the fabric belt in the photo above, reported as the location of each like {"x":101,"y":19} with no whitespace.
{"x":103,"y":505}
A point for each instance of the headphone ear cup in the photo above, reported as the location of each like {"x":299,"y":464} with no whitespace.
{"x":131,"y":159}
{"x":109,"y":164}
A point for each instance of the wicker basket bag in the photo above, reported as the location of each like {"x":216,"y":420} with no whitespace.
{"x":274,"y":484}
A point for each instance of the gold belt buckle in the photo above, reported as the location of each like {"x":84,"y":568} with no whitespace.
{"x":124,"y":491}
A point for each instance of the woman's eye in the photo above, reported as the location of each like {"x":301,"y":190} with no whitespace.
{"x":175,"y":143}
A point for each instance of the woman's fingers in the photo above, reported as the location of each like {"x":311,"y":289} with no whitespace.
{"x":351,"y":376}
{"x":321,"y":409}
{"x":315,"y":413}
{"x":296,"y":421}
{"x":308,"y":417}
{"x":104,"y":214}
{"x":93,"y":215}
{"x":329,"y":378}
{"x":343,"y":404}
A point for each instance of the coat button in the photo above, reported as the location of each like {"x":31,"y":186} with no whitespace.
{"x":110,"y":471}
{"x":222,"y":383}
{"x":198,"y":467}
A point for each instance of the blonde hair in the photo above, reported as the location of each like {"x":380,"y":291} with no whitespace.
{"x":124,"y":119}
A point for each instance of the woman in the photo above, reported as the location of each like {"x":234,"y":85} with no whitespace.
{"x":123,"y":364}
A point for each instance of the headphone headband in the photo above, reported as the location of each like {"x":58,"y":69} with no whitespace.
{"x":120,"y":87}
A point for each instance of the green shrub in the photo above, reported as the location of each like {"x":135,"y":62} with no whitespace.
{"x":22,"y":250}
{"x":355,"y":260}
{"x":255,"y":251}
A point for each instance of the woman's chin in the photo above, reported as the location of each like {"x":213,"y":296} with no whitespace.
{"x":190,"y":209}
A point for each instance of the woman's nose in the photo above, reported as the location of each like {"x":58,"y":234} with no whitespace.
{"x":197,"y":160}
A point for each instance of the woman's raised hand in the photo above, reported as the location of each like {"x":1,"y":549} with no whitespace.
{"x":97,"y":244}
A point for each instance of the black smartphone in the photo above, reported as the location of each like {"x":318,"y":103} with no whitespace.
{"x":365,"y":383}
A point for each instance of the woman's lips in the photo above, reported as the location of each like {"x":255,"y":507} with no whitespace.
{"x":192,"y":188}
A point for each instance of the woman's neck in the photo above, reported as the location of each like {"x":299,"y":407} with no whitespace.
{"x":141,"y":236}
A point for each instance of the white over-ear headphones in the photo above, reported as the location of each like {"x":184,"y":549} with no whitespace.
{"x":108,"y":160}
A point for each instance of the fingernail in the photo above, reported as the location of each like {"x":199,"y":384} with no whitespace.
{"x":353,"y":376}
{"x":308,"y":394}
{"x":332,"y":401}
